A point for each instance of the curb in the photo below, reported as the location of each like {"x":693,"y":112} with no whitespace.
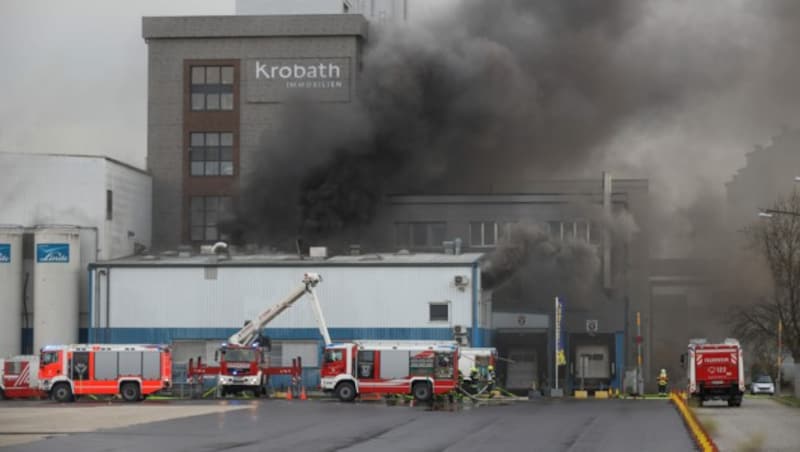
{"x":701,"y":438}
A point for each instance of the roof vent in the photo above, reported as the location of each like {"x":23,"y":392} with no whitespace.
{"x":449,"y":247}
{"x":403,"y":252}
{"x":318,"y":252}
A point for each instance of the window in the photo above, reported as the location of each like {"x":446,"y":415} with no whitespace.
{"x":573,"y":230}
{"x":419,"y":234}
{"x":332,"y":356}
{"x":205,"y":215}
{"x":109,"y":205}
{"x":212,"y":88}
{"x":240,"y":355}
{"x":49,"y":357}
{"x":482,"y":233}
{"x":211,"y":154}
{"x":439,"y":312}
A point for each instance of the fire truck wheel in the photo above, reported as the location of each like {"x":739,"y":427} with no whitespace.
{"x":61,"y":393}
{"x":2,"y":395}
{"x":130,"y":392}
{"x":346,"y":391}
{"x":422,"y":392}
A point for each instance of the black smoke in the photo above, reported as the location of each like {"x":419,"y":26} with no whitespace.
{"x":499,"y":93}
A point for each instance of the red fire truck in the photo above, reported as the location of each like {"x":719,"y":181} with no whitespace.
{"x":716,"y":371}
{"x":383,"y":367}
{"x":19,"y":377}
{"x":131,"y":371}
{"x":244,"y":359}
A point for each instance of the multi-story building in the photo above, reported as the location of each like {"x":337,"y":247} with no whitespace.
{"x":217,"y":88}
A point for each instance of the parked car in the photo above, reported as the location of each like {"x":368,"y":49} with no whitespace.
{"x":762,"y":385}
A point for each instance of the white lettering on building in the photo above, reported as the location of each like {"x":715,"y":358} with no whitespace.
{"x":298,"y":71}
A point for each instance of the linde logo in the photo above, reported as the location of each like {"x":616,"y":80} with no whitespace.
{"x":5,"y":253}
{"x":52,"y":252}
{"x":320,"y":75}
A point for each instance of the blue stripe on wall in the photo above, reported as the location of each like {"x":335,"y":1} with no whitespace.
{"x":168,"y":335}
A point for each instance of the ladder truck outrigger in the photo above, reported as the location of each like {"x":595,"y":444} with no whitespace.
{"x":243,"y":361}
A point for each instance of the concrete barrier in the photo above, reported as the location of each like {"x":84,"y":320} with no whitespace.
{"x":581,"y":394}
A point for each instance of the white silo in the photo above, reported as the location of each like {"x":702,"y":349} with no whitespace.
{"x":11,"y":289}
{"x":56,"y":285}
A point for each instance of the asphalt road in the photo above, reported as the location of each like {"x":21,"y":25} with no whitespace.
{"x":562,"y":425}
{"x":759,"y":424}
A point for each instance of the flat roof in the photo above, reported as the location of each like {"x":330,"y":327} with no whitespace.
{"x":285,"y":260}
{"x":188,"y":27}
{"x":80,"y":156}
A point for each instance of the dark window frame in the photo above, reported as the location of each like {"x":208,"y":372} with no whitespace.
{"x":204,"y":220}
{"x":206,"y":156}
{"x":109,"y":205}
{"x":419,"y":235}
{"x":213,"y":84}
{"x":437,"y":317}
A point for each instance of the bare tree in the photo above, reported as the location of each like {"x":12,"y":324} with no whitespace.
{"x":778,"y":240}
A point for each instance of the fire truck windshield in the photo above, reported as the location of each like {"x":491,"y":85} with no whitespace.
{"x":332,"y":356}
{"x":240,"y":355}
{"x":49,"y":358}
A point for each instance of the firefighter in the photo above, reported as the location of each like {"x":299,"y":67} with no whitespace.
{"x":490,"y":377}
{"x":474,"y":376}
{"x":662,"y":383}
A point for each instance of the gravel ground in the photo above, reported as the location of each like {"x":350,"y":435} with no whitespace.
{"x":759,"y":424}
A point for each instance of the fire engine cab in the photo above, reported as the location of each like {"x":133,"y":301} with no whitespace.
{"x":131,"y":371}
{"x":383,"y":367}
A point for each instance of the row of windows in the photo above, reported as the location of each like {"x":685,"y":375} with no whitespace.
{"x":486,"y":233}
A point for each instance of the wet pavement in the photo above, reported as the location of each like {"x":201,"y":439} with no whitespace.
{"x":324,"y":425}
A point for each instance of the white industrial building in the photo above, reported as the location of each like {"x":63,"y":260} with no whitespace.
{"x":194,"y":302}
{"x":59,"y":213}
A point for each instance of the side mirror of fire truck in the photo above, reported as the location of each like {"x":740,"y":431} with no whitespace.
{"x":683,"y":360}
{"x":216,"y":356}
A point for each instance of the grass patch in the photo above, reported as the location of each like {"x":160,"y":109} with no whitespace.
{"x":709,"y":425}
{"x":793,"y":402}
{"x":754,"y":443}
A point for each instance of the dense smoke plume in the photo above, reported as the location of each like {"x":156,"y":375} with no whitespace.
{"x":499,"y":93}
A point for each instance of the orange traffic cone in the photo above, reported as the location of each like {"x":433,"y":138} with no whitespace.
{"x":289,"y":394}
{"x":303,"y":395}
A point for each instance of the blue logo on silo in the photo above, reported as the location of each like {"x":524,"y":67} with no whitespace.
{"x":5,"y":253}
{"x":52,"y":252}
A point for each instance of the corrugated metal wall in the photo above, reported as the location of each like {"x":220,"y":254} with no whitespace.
{"x":351,"y":297}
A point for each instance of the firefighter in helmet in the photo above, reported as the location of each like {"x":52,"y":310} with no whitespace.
{"x":474,"y":376}
{"x":490,"y":377}
{"x":662,"y":382}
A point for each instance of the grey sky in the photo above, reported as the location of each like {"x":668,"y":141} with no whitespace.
{"x":75,"y":74}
